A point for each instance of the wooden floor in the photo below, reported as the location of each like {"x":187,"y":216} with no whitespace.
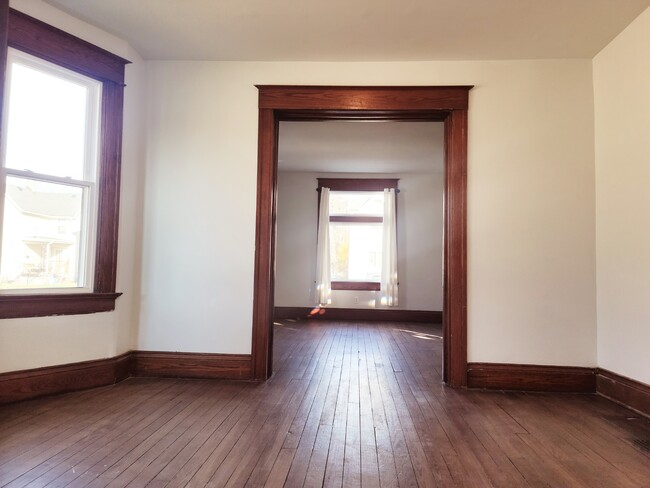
{"x":350,"y":404}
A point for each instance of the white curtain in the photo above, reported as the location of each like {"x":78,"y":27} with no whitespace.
{"x":389,"y":287}
{"x":323,"y":280}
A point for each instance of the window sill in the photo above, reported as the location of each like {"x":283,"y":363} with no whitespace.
{"x":20,"y":306}
{"x":356,"y":285}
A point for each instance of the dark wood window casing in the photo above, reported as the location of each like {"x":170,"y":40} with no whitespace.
{"x":356,"y":184}
{"x":24,"y":33}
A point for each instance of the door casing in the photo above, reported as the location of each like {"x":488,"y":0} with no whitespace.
{"x":448,"y":104}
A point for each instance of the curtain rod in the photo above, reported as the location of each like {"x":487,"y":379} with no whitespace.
{"x":397,"y":190}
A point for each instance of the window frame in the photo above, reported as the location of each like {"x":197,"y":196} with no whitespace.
{"x":34,"y":37}
{"x":356,"y":185}
{"x":87,"y":182}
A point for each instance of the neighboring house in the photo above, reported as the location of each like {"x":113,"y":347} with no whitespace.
{"x":41,"y":240}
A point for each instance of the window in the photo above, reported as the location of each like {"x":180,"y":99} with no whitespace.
{"x":50,"y":192}
{"x":356,"y":209}
{"x":59,"y":181}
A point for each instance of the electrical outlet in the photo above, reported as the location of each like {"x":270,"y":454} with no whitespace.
{"x":356,"y":300}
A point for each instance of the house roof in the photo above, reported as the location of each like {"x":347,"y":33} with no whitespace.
{"x":360,"y":30}
{"x":43,"y":204}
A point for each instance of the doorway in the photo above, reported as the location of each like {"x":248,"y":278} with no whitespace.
{"x":445,"y":104}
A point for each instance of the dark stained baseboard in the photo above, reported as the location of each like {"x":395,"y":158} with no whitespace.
{"x":624,"y":391}
{"x":366,"y":314}
{"x":26,"y":384}
{"x":192,"y":365}
{"x":50,"y":380}
{"x":527,"y":377}
{"x":32,"y":383}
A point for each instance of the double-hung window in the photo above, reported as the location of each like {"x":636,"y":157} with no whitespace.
{"x":50,"y":150}
{"x":356,"y":210}
{"x":59,"y":178}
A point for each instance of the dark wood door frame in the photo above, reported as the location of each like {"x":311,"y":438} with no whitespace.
{"x":438,"y":103}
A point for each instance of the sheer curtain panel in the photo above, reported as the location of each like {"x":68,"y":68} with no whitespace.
{"x":389,"y":286}
{"x":323,"y":279}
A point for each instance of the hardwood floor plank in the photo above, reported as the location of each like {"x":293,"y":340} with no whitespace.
{"x":336,"y":450}
{"x":351,"y":404}
{"x":280,"y":470}
{"x":403,"y":462}
{"x":368,"y":440}
{"x":310,"y":429}
{"x":68,"y":435}
{"x":384,"y":448}
{"x":132,"y":411}
{"x":309,"y":406}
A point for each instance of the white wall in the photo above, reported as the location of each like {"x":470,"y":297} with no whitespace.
{"x":622,"y":121}
{"x":36,"y":342}
{"x":531,"y":229}
{"x":419,"y":242}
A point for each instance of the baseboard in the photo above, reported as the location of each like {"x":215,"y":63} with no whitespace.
{"x":526,"y":377}
{"x":365,"y":314}
{"x":22,"y":385}
{"x":192,"y":365}
{"x":32,"y":383}
{"x":50,"y":380}
{"x":624,"y":391}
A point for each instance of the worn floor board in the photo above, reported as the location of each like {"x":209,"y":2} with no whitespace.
{"x":351,"y":404}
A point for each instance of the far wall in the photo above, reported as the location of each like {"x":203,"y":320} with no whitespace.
{"x":419,"y":242}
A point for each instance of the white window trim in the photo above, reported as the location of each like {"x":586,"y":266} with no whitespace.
{"x":87,"y":255}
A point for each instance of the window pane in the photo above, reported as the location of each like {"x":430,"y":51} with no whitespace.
{"x":41,"y":235}
{"x":370,"y":203}
{"x":356,"y":251}
{"x":46,"y":126}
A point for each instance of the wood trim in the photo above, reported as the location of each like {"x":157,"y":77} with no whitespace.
{"x":262,"y":345}
{"x":357,"y":184}
{"x":366,"y":115}
{"x":32,"y":383}
{"x":364,"y":314}
{"x":17,"y":306}
{"x":109,"y":187}
{"x":370,"y":98}
{"x":50,"y":380}
{"x":47,"y":42}
{"x":4,"y":34}
{"x":356,"y":219}
{"x":192,"y":365}
{"x":528,"y":377}
{"x":356,"y":285}
{"x":455,"y":251}
{"x":441,"y":103}
{"x":624,"y":391}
